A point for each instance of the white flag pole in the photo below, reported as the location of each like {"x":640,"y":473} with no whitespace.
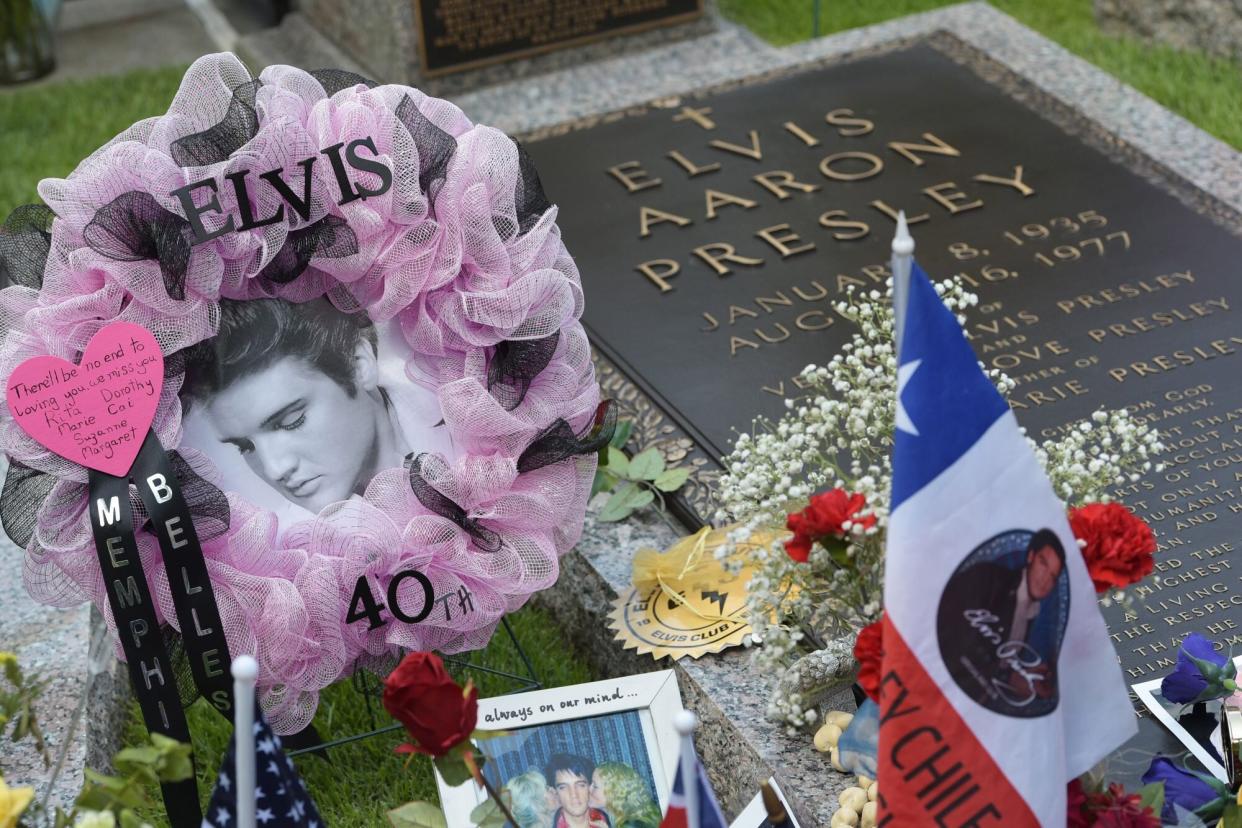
{"x":245,"y":674}
{"x":903,"y":261}
{"x":686,"y":722}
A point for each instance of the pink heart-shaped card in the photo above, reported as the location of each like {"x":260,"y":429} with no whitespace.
{"x":95,"y":413}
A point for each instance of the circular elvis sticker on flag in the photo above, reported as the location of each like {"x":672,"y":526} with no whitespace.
{"x":1001,"y":621}
{"x":377,"y":404}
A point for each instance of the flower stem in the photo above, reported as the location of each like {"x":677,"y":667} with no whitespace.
{"x":496,"y":798}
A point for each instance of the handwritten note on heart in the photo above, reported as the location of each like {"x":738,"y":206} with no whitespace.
{"x":95,"y":413}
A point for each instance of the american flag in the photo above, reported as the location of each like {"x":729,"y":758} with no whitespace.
{"x":678,"y":816}
{"x":281,"y":798}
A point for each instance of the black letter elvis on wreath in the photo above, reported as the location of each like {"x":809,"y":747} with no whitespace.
{"x":299,"y":202}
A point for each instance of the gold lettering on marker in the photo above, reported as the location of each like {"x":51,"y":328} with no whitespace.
{"x":847,"y":126}
{"x":948,"y":196}
{"x":884,"y":208}
{"x":787,"y":333}
{"x":768,"y":302}
{"x":936,"y":147}
{"x":753,"y":151}
{"x":712,"y":320}
{"x":698,"y":116}
{"x":727,"y":253}
{"x":801,"y":134}
{"x":839,"y":218}
{"x":875,"y":166}
{"x":776,"y":181}
{"x":715,"y":199}
{"x":1016,"y":182}
{"x":737,"y":310}
{"x":803,"y":320}
{"x":648,"y":216}
{"x":784,"y":244}
{"x":692,"y":169}
{"x":660,"y":278}
{"x":737,"y":342}
{"x":632,"y":176}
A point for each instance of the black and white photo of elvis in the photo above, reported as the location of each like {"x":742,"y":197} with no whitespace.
{"x":1001,"y":620}
{"x":301,"y":404}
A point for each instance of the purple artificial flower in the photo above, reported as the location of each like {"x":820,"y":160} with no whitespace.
{"x":1201,"y":673}
{"x":1182,"y":788}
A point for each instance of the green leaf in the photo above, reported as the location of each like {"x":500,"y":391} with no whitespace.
{"x":417,"y":815}
{"x":618,"y":463}
{"x":604,"y":482}
{"x":1152,"y":796}
{"x":622,"y":435}
{"x":129,"y":819}
{"x":487,"y":814}
{"x":623,"y":503}
{"x":672,"y":480}
{"x":646,"y":466}
{"x":453,"y":769}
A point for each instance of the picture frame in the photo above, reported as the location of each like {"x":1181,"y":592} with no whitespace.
{"x":1165,"y":713}
{"x":622,"y":721}
{"x":754,"y":815}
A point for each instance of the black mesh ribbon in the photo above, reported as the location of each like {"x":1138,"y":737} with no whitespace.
{"x":558,"y":441}
{"x":334,"y":80}
{"x":486,"y":539}
{"x":25,"y":489}
{"x":330,"y":237}
{"x":25,"y":240}
{"x":216,"y":143}
{"x":515,"y":363}
{"x":532,"y":202}
{"x":435,"y":146}
{"x":133,"y":226}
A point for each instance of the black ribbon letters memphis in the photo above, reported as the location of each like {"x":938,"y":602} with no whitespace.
{"x":133,"y":608}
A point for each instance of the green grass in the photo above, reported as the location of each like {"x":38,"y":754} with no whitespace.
{"x":47,"y":130}
{"x":1205,"y":90}
{"x":365,"y":779}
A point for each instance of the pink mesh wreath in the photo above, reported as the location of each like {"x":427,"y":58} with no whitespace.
{"x":450,"y":252}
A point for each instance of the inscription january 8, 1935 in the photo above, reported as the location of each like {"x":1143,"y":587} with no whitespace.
{"x":713,"y":235}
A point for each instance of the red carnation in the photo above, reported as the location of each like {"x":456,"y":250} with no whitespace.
{"x":823,"y":518}
{"x":1118,"y":544}
{"x":436,"y":711}
{"x":1115,"y":808}
{"x":869,"y":653}
{"x":1079,"y":816}
{"x":1111,"y":808}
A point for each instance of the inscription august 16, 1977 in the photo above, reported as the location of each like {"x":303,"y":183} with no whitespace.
{"x":713,"y":237}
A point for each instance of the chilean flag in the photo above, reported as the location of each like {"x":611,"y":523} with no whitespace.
{"x":999,"y":684}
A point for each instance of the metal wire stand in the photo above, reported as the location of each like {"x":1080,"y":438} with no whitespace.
{"x":369,"y":687}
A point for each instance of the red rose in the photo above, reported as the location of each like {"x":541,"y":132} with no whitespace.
{"x":869,"y":653}
{"x":435,"y":710}
{"x":1118,"y":544}
{"x":823,"y":518}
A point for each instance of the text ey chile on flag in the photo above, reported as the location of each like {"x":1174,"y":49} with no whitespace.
{"x":999,"y":681}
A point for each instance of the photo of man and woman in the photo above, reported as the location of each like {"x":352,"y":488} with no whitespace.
{"x":299,"y":405}
{"x":587,"y":773}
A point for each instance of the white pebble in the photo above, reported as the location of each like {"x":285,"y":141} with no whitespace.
{"x":872,"y":790}
{"x":868,"y":815}
{"x":839,"y":718}
{"x":827,"y":737}
{"x":852,"y":798}
{"x":844,"y":817}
